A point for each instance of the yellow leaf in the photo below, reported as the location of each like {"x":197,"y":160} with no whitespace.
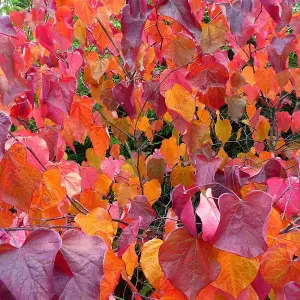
{"x":97,"y":220}
{"x":236,"y":274}
{"x":152,"y":190}
{"x":181,"y":101}
{"x":130,"y":259}
{"x":92,"y":159}
{"x":149,"y":262}
{"x":183,"y":175}
{"x":80,"y":31}
{"x":223,"y":130}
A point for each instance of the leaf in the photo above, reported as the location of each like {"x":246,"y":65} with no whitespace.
{"x":292,"y":290}
{"x":81,"y":111}
{"x":264,"y":79}
{"x":261,"y":130}
{"x":156,"y":168}
{"x":236,"y":274}
{"x":100,"y":139}
{"x":209,"y":215}
{"x":273,"y":8}
{"x":134,"y":16}
{"x":128,"y":236}
{"x":180,"y":11}
{"x":285,"y":192}
{"x":84,"y":256}
{"x":206,"y":169}
{"x":85,"y":12}
{"x":50,"y":192}
{"x":181,"y":101}
{"x":97,"y":220}
{"x":278,"y":267}
{"x":140,"y":210}
{"x":6,"y":27}
{"x":241,"y":228}
{"x":223,"y":130}
{"x":202,"y":267}
{"x":149,"y":262}
{"x":5,"y":124}
{"x":213,"y":36}
{"x":97,"y":65}
{"x":27,"y":272}
{"x":131,"y":259}
{"x":18,"y":179}
{"x":152,"y":190}
{"x":182,"y":175}
{"x":170,"y":150}
{"x":183,"y":208}
{"x":234,"y":17}
{"x":236,"y":107}
{"x":284,"y":120}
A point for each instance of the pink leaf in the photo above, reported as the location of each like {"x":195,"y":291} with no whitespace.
{"x":209,"y":215}
{"x":27,"y":272}
{"x":128,"y":236}
{"x":241,"y":228}
{"x":273,"y":8}
{"x":284,"y":120}
{"x":5,"y":124}
{"x":85,"y":257}
{"x":292,"y":290}
{"x":6,"y":27}
{"x":183,"y":208}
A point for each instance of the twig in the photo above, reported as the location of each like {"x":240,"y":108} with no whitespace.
{"x":290,"y":226}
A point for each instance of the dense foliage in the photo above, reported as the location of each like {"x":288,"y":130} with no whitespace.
{"x":149,"y":149}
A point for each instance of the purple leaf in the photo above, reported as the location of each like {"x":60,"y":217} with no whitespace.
{"x":234,"y":17}
{"x":180,"y":11}
{"x":5,"y":124}
{"x":6,"y":27}
{"x":125,"y":97}
{"x":209,"y":215}
{"x":128,"y":236}
{"x":247,"y":6}
{"x":134,"y":16}
{"x":183,"y":208}
{"x":235,"y":178}
{"x":241,"y":228}
{"x":140,"y":207}
{"x":278,"y":52}
{"x":206,"y":169}
{"x":85,"y":257}
{"x":27,"y":272}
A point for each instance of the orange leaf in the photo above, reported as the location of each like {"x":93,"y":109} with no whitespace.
{"x":80,"y":31}
{"x":261,"y":130}
{"x":18,"y":178}
{"x":170,"y":150}
{"x":100,"y":139}
{"x":184,"y":175}
{"x":223,"y":130}
{"x":181,"y":101}
{"x":278,"y":267}
{"x":236,"y":274}
{"x":50,"y":191}
{"x":85,"y":12}
{"x":102,"y":185}
{"x":152,"y":190}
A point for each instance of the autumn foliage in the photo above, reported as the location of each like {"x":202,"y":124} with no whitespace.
{"x":150,"y":150}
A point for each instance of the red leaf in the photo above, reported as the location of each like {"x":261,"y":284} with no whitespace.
{"x":125,"y":97}
{"x":6,"y":27}
{"x":206,"y":169}
{"x":85,"y":257}
{"x":209,"y":215}
{"x":188,"y":262}
{"x":272,"y":7}
{"x":5,"y":124}
{"x":241,"y":228}
{"x":206,"y":75}
{"x":284,"y":120}
{"x":134,"y":16}
{"x":27,"y":272}
{"x":183,"y":208}
{"x":180,"y":11}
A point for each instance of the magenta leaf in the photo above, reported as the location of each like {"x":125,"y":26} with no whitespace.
{"x":272,"y":7}
{"x":44,"y":34}
{"x":85,"y":257}
{"x":180,"y":11}
{"x":27,"y":272}
{"x":209,"y":214}
{"x":292,"y":290}
{"x":188,"y":262}
{"x":140,"y":207}
{"x":128,"y":236}
{"x":134,"y":16}
{"x":183,"y":208}
{"x":6,"y":27}
{"x":235,"y":178}
{"x":261,"y":288}
{"x":206,"y":169}
{"x":5,"y":124}
{"x":241,"y":229}
{"x":125,"y":97}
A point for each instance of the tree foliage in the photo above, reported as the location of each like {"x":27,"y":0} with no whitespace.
{"x":149,"y":149}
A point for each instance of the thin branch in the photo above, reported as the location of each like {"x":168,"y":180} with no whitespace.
{"x":290,"y":226}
